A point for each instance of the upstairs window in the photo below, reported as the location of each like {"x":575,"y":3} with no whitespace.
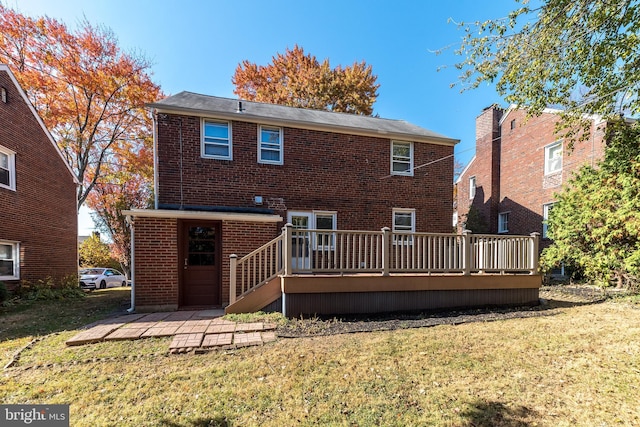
{"x":270,"y":145}
{"x":401,"y":158}
{"x":472,"y":188}
{"x":9,"y":264}
{"x":503,"y":222}
{"x":553,"y":158}
{"x":7,"y":169}
{"x":216,"y":140}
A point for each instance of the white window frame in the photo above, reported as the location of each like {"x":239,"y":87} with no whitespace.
{"x":261,"y":148}
{"x":11,"y":160}
{"x":15,"y":257}
{"x":402,"y":160}
{"x":404,"y":240}
{"x":548,"y":161}
{"x":472,"y":187}
{"x":203,"y":143}
{"x":334,"y":225}
{"x":503,"y":226}
{"x":546,"y":208}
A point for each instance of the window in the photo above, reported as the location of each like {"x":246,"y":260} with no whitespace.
{"x":545,"y":215}
{"x":325,"y":221}
{"x":404,"y":221}
{"x":7,"y":169}
{"x":270,"y":145}
{"x":9,"y":263}
{"x":503,"y":222}
{"x":513,"y":124}
{"x":553,"y":158}
{"x":401,"y":158}
{"x":216,"y":140}
{"x":472,"y":188}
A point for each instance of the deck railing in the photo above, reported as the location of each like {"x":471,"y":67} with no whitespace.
{"x":304,"y":251}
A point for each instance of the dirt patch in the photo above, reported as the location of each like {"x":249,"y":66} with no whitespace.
{"x":552,"y":300}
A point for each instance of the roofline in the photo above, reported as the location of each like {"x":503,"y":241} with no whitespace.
{"x":5,"y":67}
{"x":205,"y":215}
{"x":464,"y":171}
{"x":595,"y":117}
{"x":251,"y":118}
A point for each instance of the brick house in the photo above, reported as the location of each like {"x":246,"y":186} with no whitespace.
{"x":39,"y":226}
{"x":520,"y":164}
{"x":229,"y":174}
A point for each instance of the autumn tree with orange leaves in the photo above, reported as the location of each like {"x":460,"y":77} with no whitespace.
{"x":300,"y":80}
{"x":89,"y":93}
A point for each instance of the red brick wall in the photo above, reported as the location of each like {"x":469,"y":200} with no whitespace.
{"x":322,"y":170}
{"x":484,"y":167}
{"x":41,"y":214}
{"x":523,"y":189}
{"x":156,"y":263}
{"x":156,"y":257}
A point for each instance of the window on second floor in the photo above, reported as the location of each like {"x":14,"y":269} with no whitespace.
{"x":553,"y":158}
{"x":472,"y":188}
{"x":503,"y":222}
{"x":9,"y":263}
{"x":401,"y":158}
{"x":546,"y":209}
{"x":7,"y":169}
{"x":270,"y":145}
{"x":216,"y":140}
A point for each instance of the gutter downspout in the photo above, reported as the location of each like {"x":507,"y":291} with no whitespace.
{"x":131,"y":223}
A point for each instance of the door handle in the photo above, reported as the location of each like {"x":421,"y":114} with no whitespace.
{"x":185,"y":263}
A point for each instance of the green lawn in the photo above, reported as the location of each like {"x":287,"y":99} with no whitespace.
{"x":578,"y":365}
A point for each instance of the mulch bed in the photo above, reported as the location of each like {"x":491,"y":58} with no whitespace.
{"x":552,"y":300}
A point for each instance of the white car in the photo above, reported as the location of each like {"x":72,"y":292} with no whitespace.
{"x":101,"y":278}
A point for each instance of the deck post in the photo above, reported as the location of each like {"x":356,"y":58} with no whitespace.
{"x":535,"y":242}
{"x":233,"y":261}
{"x":287,"y":247}
{"x":466,"y":252}
{"x":386,"y":250}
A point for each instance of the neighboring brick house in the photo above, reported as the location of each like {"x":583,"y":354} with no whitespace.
{"x":229,"y":174}
{"x":39,"y":225}
{"x":520,"y":164}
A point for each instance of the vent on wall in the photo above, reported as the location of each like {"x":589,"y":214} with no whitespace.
{"x":3,"y":94}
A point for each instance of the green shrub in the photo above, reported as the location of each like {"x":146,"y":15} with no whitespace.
{"x":49,"y":289}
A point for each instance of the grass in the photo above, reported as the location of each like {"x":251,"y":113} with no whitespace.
{"x":578,"y":366}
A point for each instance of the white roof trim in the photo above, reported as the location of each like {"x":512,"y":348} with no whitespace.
{"x":213,"y":216}
{"x":4,"y":67}
{"x":464,"y":171}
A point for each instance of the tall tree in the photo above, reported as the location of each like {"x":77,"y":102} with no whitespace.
{"x":581,"y":55}
{"x":300,"y":80}
{"x":89,"y":93}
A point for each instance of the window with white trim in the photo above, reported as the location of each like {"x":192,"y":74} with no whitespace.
{"x":472,"y":188}
{"x":503,"y":222}
{"x":9,"y":260}
{"x":324,"y":221}
{"x":546,"y":209}
{"x":7,"y":169}
{"x":404,"y":221}
{"x":270,"y":145}
{"x":401,"y":158}
{"x":553,"y":158}
{"x":216,"y":140}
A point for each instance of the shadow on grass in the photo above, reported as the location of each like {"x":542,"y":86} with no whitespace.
{"x":200,"y":422}
{"x":37,"y":318}
{"x":495,"y":414}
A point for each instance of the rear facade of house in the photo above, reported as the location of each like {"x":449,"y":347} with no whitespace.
{"x":38,"y":229}
{"x":230,"y":174}
{"x":510,"y":186}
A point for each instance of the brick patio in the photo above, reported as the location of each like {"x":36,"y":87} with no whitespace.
{"x":191,"y":330}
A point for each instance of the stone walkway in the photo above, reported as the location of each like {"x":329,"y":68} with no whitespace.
{"x":191,"y":330}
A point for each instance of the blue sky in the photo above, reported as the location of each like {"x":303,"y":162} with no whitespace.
{"x":196,"y":46}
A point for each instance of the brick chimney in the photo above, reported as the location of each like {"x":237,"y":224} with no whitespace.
{"x":488,"y":143}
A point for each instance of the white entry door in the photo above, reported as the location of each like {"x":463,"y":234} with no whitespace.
{"x":301,"y":242}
